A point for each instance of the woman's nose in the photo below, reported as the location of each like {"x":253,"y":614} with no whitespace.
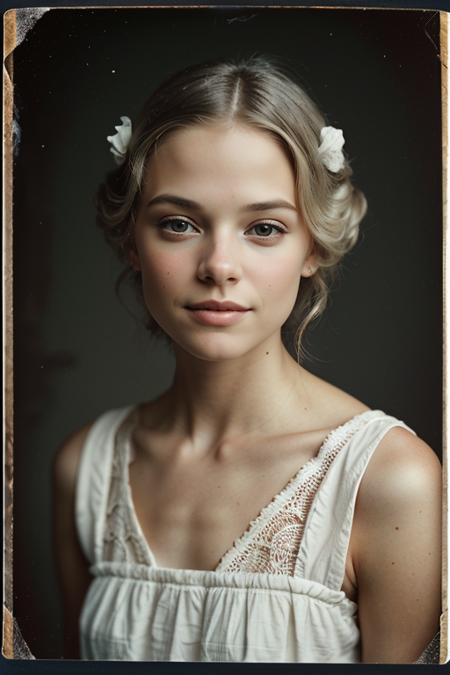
{"x":219,"y":262}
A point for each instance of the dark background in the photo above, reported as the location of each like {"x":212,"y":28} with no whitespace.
{"x":376,"y":74}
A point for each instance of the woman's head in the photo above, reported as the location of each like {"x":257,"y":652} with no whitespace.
{"x":220,"y":242}
{"x":258,"y":95}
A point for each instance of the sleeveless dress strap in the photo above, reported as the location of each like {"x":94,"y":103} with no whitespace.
{"x":93,"y":481}
{"x":323,"y":551}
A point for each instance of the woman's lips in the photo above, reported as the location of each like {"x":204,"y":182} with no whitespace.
{"x":217,"y":313}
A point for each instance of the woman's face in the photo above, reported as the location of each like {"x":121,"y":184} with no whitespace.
{"x":220,"y":241}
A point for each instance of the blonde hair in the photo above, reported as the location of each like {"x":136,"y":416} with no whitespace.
{"x":258,"y":93}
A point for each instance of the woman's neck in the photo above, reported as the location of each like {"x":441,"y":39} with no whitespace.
{"x":210,"y":402}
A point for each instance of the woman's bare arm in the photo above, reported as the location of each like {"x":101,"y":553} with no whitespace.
{"x":396,"y":549}
{"x":71,"y":564}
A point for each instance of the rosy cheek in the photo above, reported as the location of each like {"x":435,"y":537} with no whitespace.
{"x":163,"y":269}
{"x":279,"y":278}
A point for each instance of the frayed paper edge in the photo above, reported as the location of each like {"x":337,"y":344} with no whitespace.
{"x":26,"y":19}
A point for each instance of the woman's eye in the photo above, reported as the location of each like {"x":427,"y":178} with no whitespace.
{"x":177,"y":225}
{"x":265,"y":230}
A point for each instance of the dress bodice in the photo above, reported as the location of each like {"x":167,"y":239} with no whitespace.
{"x":275,"y":595}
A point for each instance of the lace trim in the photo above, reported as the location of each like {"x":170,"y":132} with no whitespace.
{"x":122,"y":538}
{"x":271,"y":543}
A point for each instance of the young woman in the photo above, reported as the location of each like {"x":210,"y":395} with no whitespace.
{"x":253,"y":512}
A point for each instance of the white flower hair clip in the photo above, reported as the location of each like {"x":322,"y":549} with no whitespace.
{"x":330,"y":149}
{"x":121,"y":140}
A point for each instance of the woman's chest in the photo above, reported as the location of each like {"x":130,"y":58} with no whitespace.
{"x":191,"y":514}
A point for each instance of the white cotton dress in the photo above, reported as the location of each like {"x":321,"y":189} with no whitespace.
{"x":275,"y":595}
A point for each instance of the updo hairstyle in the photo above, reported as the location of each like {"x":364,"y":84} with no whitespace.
{"x":258,"y":93}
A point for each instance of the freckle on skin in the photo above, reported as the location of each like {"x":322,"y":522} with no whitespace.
{"x":267,"y":353}
{"x":396,"y":528}
{"x":393,"y":563}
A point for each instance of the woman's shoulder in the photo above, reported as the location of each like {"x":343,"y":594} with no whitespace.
{"x":67,"y":457}
{"x":400,"y":459}
{"x":403,"y":472}
{"x":401,"y":463}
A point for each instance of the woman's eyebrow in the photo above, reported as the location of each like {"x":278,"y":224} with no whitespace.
{"x":189,"y":204}
{"x":267,"y":206}
{"x":172,"y":199}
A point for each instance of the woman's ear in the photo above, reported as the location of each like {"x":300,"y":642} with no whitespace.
{"x":131,"y":254}
{"x":310,"y":265}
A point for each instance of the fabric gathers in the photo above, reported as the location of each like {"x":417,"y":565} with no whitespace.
{"x":275,"y":595}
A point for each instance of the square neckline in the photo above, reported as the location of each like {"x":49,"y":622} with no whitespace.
{"x":258,"y":522}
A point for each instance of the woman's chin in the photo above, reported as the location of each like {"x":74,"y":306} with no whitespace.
{"x":216,"y":348}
